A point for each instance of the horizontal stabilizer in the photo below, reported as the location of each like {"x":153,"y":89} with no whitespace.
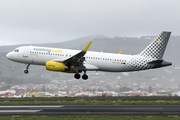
{"x":155,"y":62}
{"x":159,"y":63}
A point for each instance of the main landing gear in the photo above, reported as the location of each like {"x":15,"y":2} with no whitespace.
{"x":77,"y":76}
{"x":84,"y":77}
{"x":27,"y":67}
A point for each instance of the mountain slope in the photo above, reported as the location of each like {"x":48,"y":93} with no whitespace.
{"x":68,"y":44}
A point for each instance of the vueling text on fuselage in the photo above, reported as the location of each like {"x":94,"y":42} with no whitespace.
{"x":47,"y":50}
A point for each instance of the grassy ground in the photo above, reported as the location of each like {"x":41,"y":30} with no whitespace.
{"x":89,"y":118}
{"x":83,"y":102}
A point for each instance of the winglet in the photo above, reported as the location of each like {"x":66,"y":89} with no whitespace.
{"x":121,"y":52}
{"x":87,"y":47}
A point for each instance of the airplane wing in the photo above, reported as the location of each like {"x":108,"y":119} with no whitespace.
{"x":76,"y":60}
{"x":121,"y":52}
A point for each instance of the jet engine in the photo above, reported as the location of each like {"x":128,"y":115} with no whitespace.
{"x":56,"y":66}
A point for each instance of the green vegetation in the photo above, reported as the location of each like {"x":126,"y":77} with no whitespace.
{"x":83,"y":102}
{"x":89,"y":118}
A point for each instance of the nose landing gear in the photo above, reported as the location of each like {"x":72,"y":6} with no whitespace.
{"x":26,"y":71}
{"x":27,"y":67}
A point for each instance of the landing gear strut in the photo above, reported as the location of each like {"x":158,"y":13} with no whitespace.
{"x":27,"y":67}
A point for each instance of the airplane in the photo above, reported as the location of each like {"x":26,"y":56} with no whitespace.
{"x":77,"y":61}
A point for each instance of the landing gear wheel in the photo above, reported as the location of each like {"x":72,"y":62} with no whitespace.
{"x":77,"y":76}
{"x":26,"y":71}
{"x":84,"y":77}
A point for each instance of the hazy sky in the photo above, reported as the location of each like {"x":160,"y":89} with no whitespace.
{"x":42,"y":21}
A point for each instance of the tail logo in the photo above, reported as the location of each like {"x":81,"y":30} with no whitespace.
{"x":157,"y":47}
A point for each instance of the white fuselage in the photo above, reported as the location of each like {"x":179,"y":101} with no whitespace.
{"x":93,"y":60}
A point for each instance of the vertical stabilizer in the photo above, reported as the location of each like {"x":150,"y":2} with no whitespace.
{"x":157,"y":47}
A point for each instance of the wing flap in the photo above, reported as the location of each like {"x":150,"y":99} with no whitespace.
{"x":90,"y":67}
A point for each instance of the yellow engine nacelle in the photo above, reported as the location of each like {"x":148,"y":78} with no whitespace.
{"x":56,"y":66}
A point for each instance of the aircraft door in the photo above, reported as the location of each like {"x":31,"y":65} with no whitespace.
{"x":25,"y":54}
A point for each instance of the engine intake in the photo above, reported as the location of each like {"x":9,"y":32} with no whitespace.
{"x":56,"y":66}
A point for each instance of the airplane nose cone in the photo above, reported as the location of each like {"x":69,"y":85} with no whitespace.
{"x":8,"y":55}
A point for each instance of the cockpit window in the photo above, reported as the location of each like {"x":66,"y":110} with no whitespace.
{"x":16,"y":50}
